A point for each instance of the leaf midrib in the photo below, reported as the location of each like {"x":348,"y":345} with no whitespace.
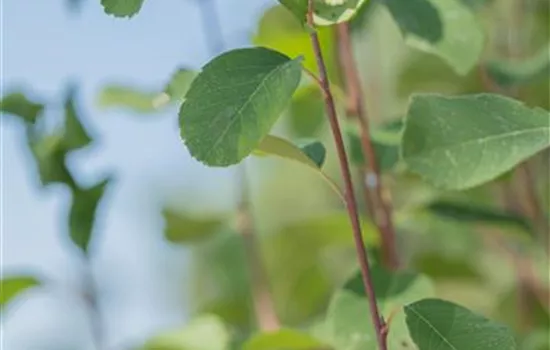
{"x":422,"y":318}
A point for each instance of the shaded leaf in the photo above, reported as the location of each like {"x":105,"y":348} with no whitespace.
{"x":287,"y":339}
{"x":19,"y":105}
{"x":184,"y":228}
{"x":13,"y":286}
{"x":446,"y":28}
{"x":438,"y":265}
{"x":83,"y":212}
{"x":438,"y":324}
{"x":122,"y":8}
{"x":204,"y":333}
{"x":234,"y":102}
{"x":462,"y":142}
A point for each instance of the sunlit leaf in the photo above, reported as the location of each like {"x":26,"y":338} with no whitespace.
{"x":13,"y":286}
{"x":122,"y":8}
{"x":287,"y":339}
{"x":184,"y":228}
{"x":203,"y":333}
{"x":442,"y":325}
{"x":462,"y":142}
{"x":19,"y":105}
{"x":234,"y":102}
{"x":446,"y":28}
{"x":82,"y":215}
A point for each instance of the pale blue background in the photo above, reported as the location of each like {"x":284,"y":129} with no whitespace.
{"x":44,"y":46}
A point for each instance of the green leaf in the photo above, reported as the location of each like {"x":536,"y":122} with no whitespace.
{"x":207,"y":332}
{"x":509,"y":73}
{"x":234,"y":102}
{"x":83,"y":212}
{"x":463,"y":142}
{"x":14,"y":286}
{"x":446,"y":28}
{"x":287,"y":339}
{"x":49,"y":154}
{"x":326,"y":12}
{"x":307,"y":111}
{"x":183,"y":228}
{"x":179,"y":84}
{"x":75,"y":135}
{"x":127,"y":97}
{"x":19,"y":105}
{"x":297,"y":7}
{"x":122,"y":8}
{"x":279,"y":31}
{"x":440,"y":266}
{"x":441,"y":325}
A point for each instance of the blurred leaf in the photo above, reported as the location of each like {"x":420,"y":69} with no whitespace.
{"x":49,"y":155}
{"x":19,"y":105}
{"x":118,"y":96}
{"x":184,"y":228}
{"x":179,"y":84}
{"x":299,"y":262}
{"x":363,"y":16}
{"x":307,"y":111}
{"x":439,"y":266}
{"x":471,"y":213}
{"x":279,"y":30}
{"x":462,"y":142}
{"x":13,"y":286}
{"x":83,"y":212}
{"x":512,"y":301}
{"x":287,"y":339}
{"x":122,"y":8}
{"x":508,"y":73}
{"x":439,"y":324}
{"x":75,"y":136}
{"x":348,"y":318}
{"x":537,"y":340}
{"x":258,"y":84}
{"x":206,"y":332}
{"x":446,"y":28}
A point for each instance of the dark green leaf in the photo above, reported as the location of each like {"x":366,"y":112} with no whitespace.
{"x":122,"y":8}
{"x":19,"y":105}
{"x":183,"y":228}
{"x":204,"y":333}
{"x":315,"y":151}
{"x":234,"y":102}
{"x":287,"y":339}
{"x":83,"y":213}
{"x":440,"y":266}
{"x":463,"y":142}
{"x":297,"y":7}
{"x":441,"y":325}
{"x":446,"y":28}
{"x":13,"y":286}
{"x":75,"y":135}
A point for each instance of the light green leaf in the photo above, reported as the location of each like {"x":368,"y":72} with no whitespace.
{"x":127,"y":97}
{"x":183,"y":228}
{"x":75,"y":135}
{"x":179,"y":84}
{"x":509,"y":73}
{"x":462,"y":142}
{"x":234,"y":102}
{"x":326,"y":12}
{"x":83,"y":212}
{"x":287,"y":339}
{"x":122,"y":8}
{"x":13,"y":286}
{"x":307,"y":111}
{"x":348,"y":317}
{"x":441,"y":325}
{"x":446,"y":28}
{"x":19,"y":105}
{"x":207,"y":332}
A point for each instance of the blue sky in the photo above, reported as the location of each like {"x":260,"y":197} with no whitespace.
{"x":43,"y":48}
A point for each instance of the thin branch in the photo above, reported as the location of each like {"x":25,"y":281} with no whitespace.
{"x":377,"y":319}
{"x":372,"y":180}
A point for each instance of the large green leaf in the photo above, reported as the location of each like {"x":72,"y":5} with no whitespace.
{"x":326,"y":12}
{"x":462,"y":142}
{"x":234,"y":102}
{"x":13,"y":286}
{"x":287,"y":339}
{"x":184,"y":228}
{"x":75,"y":135}
{"x":19,"y":105}
{"x":83,"y":212}
{"x":204,"y":333}
{"x":446,"y":28}
{"x":348,"y":318}
{"x":441,"y":325}
{"x":122,"y":8}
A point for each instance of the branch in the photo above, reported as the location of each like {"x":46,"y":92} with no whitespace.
{"x":380,"y":208}
{"x":377,"y":319}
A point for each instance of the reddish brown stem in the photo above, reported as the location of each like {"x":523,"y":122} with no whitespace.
{"x":377,"y":319}
{"x":372,"y":180}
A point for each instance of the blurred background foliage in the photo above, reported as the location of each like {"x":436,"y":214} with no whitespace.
{"x":481,"y":248}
